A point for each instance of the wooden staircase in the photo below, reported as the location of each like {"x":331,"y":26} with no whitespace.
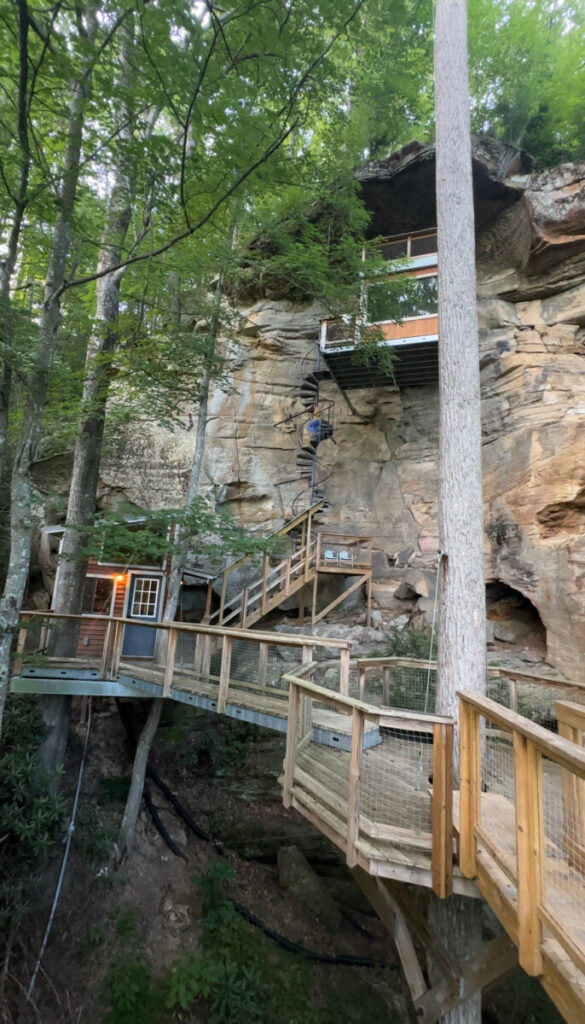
{"x":312,"y":554}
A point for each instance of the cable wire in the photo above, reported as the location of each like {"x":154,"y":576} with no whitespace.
{"x":69,"y":837}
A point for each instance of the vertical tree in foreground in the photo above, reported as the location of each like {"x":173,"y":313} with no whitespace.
{"x":462,"y":635}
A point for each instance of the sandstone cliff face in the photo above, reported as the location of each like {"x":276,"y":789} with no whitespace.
{"x":531,"y":287}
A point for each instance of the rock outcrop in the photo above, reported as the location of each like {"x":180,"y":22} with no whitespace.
{"x":384,"y":473}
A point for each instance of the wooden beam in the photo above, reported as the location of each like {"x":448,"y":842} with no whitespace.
{"x":291,"y":742}
{"x":442,"y":811}
{"x":369,"y":600}
{"x":490,"y":964}
{"x":353,"y":795}
{"x":170,"y":662}
{"x":571,"y":719}
{"x":224,"y":674}
{"x":530,"y":852}
{"x":116,"y":650}
{"x":359,"y":582}
{"x":106,"y":651}
{"x":263,"y":663}
{"x":470,"y":787}
{"x":344,"y":673}
{"x":397,"y":925}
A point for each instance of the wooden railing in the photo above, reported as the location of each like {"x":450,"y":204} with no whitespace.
{"x":240,"y":604}
{"x":208,"y":639}
{"x":343,"y":817}
{"x":524,"y":846}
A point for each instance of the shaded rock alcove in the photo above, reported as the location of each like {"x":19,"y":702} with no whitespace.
{"x":513,"y":617}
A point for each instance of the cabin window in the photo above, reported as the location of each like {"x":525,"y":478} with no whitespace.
{"x":145,"y":597}
{"x":409,"y":246}
{"x":385,"y":304}
{"x":98,"y":593}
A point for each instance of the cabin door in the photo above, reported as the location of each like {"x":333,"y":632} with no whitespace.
{"x":144,"y":604}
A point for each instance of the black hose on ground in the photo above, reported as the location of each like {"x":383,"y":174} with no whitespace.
{"x":292,"y":947}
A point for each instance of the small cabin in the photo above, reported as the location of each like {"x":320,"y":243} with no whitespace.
{"x":413,"y":339}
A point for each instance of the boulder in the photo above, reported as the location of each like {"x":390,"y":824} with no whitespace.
{"x":297,"y":877}
{"x":422,"y":582}
{"x":511,"y":631}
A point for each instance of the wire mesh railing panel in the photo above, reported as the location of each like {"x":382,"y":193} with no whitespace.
{"x":563,"y":881}
{"x":395,"y":686}
{"x":395,"y":782}
{"x":32,"y":638}
{"x":497,"y":802}
{"x":322,"y":759}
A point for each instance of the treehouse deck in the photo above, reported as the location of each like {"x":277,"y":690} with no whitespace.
{"x":370,"y":765}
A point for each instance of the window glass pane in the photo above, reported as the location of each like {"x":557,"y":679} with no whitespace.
{"x":145,"y":596}
{"x":385,"y":304}
{"x":97,"y":596}
{"x":422,"y":246}
{"x":394,"y":250}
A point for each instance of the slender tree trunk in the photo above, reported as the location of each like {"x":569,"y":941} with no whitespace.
{"x":21,"y":492}
{"x":462,"y":636}
{"x":90,"y":431}
{"x":130,"y":817}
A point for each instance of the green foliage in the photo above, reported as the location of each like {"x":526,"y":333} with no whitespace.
{"x":112,"y":789}
{"x":410,"y":643}
{"x":130,"y":994}
{"x":145,"y":537}
{"x":94,"y":836}
{"x":221,"y":744}
{"x":30,"y":813}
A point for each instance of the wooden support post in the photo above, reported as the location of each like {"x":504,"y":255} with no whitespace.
{"x":470,"y":787}
{"x":344,"y":671}
{"x":224,"y":674}
{"x":301,"y":606}
{"x":206,"y":655}
{"x":287,"y":576}
{"x":530,"y":852}
{"x":314,"y":601}
{"x":571,"y":719}
{"x":208,"y":597}
{"x":513,"y":684}
{"x":386,"y":686}
{"x":291,"y":744}
{"x":116,"y":650}
{"x":362,"y":682}
{"x":106,"y":650}
{"x":265,"y":567}
{"x":20,"y":645}
{"x":369,"y":600}
{"x":244,"y":607}
{"x":262,"y":664}
{"x":442,"y":811}
{"x":222,"y":598}
{"x":353,"y":794}
{"x":308,"y":551}
{"x":306,"y":701}
{"x":173,"y":636}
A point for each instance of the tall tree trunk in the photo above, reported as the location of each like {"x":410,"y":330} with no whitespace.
{"x":21,"y":492}
{"x":90,"y":430}
{"x":462,"y":635}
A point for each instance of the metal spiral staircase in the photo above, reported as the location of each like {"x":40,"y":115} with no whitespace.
{"x":311,"y":472}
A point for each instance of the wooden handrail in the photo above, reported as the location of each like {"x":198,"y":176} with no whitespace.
{"x":286,"y":639}
{"x":373,"y":713}
{"x":531,"y":743}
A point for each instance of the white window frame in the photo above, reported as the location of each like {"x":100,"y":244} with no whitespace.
{"x":132,"y":587}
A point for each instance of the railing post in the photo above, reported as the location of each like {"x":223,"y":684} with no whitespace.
{"x":222,"y":598}
{"x":105,"y":650}
{"x":469,"y":786}
{"x":20,"y":645}
{"x":291,"y":742}
{"x":386,"y":686}
{"x":362,"y":681}
{"x":369,"y":600}
{"x":513,"y":686}
{"x":208,"y":597}
{"x":307,"y":702}
{"x":530,"y":852}
{"x":170,"y":661}
{"x":571,"y":727}
{"x":344,"y":671}
{"x":117,"y":650}
{"x":265,"y":565}
{"x":206,"y":655}
{"x":442,"y":811}
{"x":287,"y":575}
{"x":224,"y":674}
{"x":353,"y":795}
{"x":308,"y":551}
{"x":244,"y":607}
{"x":262,"y":664}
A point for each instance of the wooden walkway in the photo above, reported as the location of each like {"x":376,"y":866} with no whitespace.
{"x":378,"y":781}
